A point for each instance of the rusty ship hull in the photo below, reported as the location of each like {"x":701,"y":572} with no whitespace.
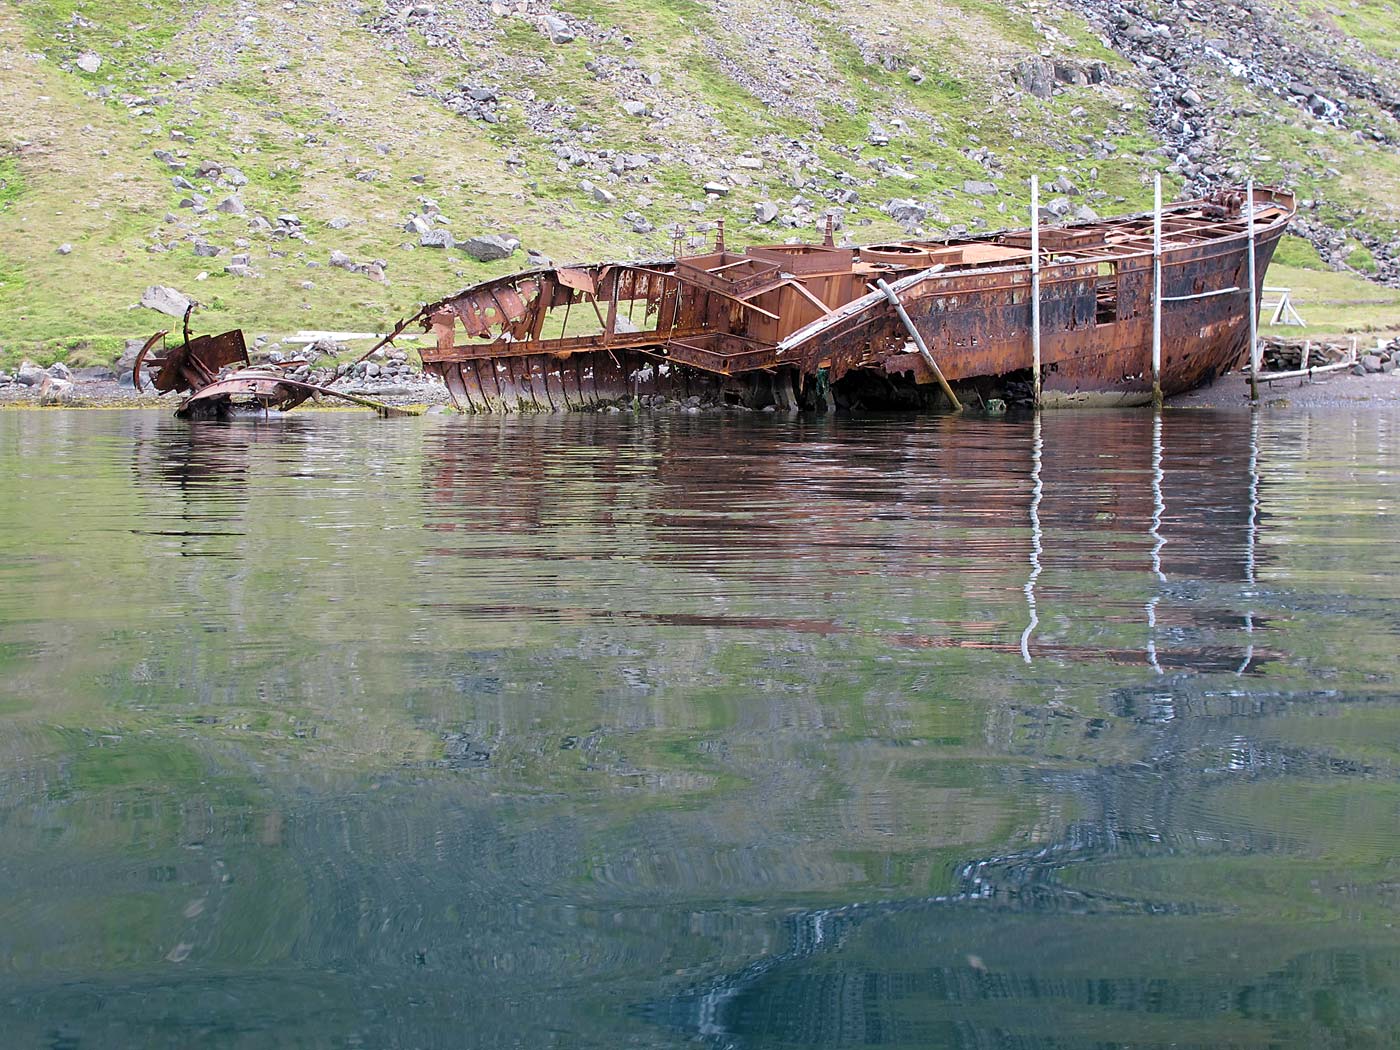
{"x":803,"y":326}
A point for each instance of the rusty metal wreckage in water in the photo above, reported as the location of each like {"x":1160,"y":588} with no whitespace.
{"x":1118,"y":311}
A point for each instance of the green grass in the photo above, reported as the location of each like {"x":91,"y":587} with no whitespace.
{"x":352,"y":97}
{"x":1333,"y":304}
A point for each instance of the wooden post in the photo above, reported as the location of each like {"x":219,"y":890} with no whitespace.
{"x":1157,"y":290}
{"x":1035,"y":288}
{"x":1253,"y":306}
{"x":919,"y":342}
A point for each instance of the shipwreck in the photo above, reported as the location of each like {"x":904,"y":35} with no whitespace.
{"x":1119,"y":311}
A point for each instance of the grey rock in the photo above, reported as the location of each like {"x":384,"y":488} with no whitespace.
{"x":89,"y":62}
{"x":437,"y":238}
{"x":557,"y":30}
{"x":239,"y":270}
{"x":489,"y":247}
{"x":230,"y":206}
{"x":719,"y":189}
{"x":1035,"y":76}
{"x":64,"y":249}
{"x":55,"y":391}
{"x":765,"y":212}
{"x":206,"y":251}
{"x":181,"y":183}
{"x":637,"y":109}
{"x":340,"y":222}
{"x":417,"y":224}
{"x":980,"y":189}
{"x":603,"y":196}
{"x":1372,"y":363}
{"x":905,"y":211}
{"x":166,"y":300}
{"x":29,"y":374}
{"x":60,"y":371}
{"x":341,"y":260}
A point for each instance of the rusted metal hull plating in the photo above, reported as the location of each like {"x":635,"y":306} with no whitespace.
{"x":780,"y":323}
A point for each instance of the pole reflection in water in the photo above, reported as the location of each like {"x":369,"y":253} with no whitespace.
{"x":1037,"y":450}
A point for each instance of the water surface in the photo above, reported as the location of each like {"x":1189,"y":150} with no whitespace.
{"x":686,"y":731}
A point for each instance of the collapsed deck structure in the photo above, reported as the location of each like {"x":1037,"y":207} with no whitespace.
{"x":794,"y":324}
{"x":1116,"y":311}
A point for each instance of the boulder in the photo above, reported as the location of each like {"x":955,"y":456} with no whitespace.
{"x":166,"y":300}
{"x":60,"y":371}
{"x":719,"y":189}
{"x":89,"y":62}
{"x":980,"y":189}
{"x":557,"y":30}
{"x":637,"y":109}
{"x":230,"y":206}
{"x":1035,"y":76}
{"x":30,"y":374}
{"x":489,"y":247}
{"x":1372,"y":362}
{"x":127,"y":362}
{"x":906,"y":211}
{"x":437,"y":238}
{"x":55,"y":391}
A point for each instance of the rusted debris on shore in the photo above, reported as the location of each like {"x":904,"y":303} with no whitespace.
{"x":218,"y":376}
{"x":1116,"y":311}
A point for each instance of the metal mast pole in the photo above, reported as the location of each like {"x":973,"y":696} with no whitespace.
{"x":1035,"y":287}
{"x":1157,"y":290}
{"x":1253,"y":307}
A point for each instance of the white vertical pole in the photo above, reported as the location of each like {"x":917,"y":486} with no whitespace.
{"x":1253,"y":306}
{"x":1157,"y":290}
{"x":1035,"y":287}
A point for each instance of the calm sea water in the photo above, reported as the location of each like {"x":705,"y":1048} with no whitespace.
{"x":608,"y":732}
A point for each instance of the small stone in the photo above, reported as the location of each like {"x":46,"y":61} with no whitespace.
{"x":206,"y":251}
{"x":340,"y":222}
{"x":637,"y":109}
{"x":718,"y":189}
{"x":916,"y":74}
{"x":230,"y":206}
{"x":89,"y":62}
{"x":417,"y":224}
{"x":65,"y":249}
{"x":980,"y":189}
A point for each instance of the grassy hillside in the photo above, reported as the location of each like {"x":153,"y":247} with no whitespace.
{"x":352,"y":118}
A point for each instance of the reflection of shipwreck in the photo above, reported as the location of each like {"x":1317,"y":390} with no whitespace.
{"x":1068,"y":312}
